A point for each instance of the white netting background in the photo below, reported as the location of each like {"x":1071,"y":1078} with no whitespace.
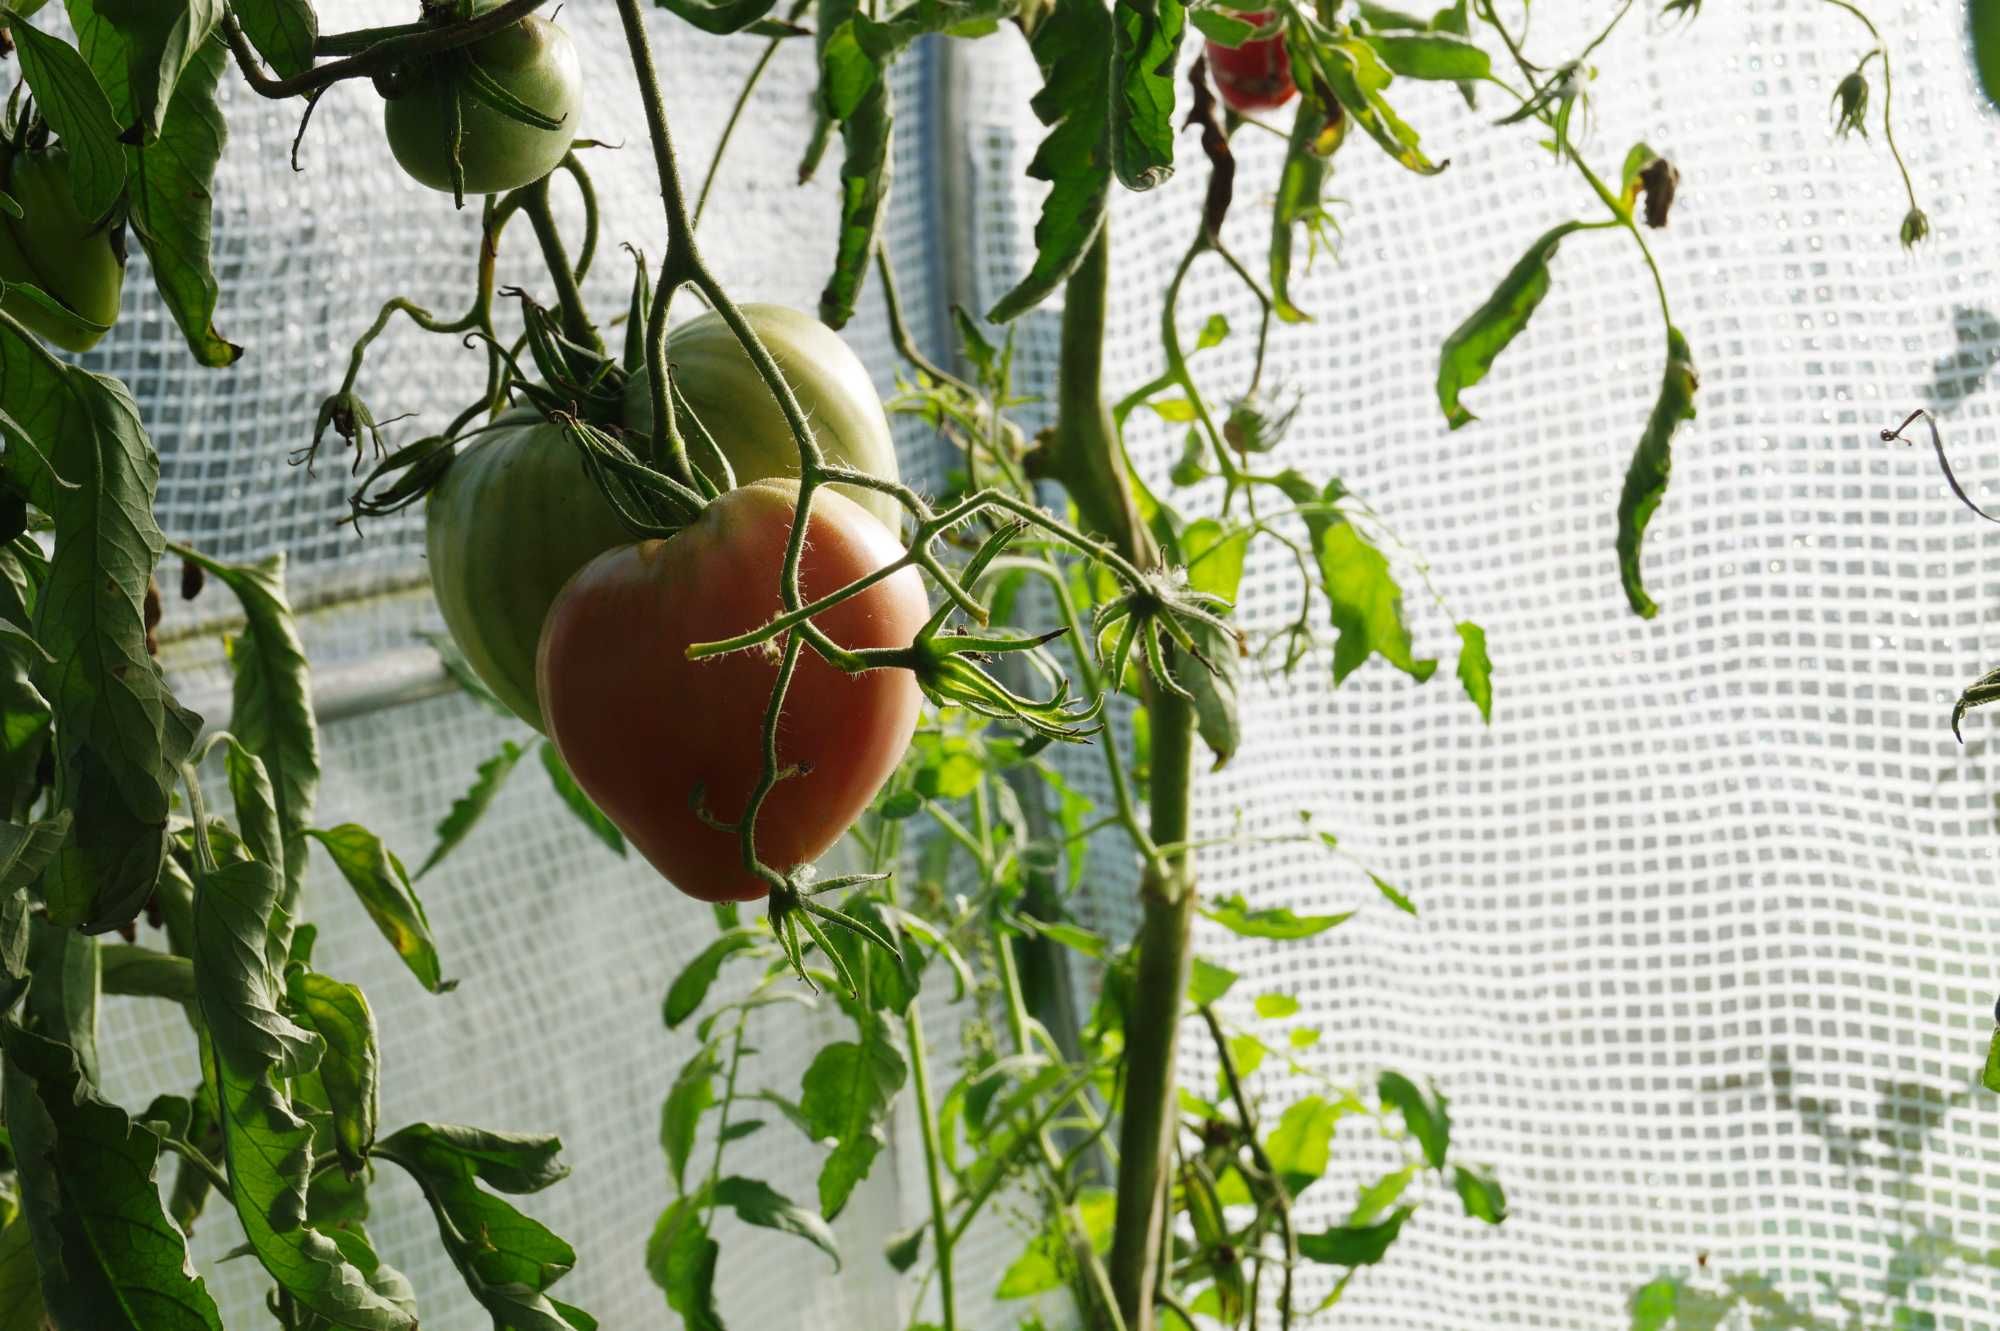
{"x":1703,"y":959}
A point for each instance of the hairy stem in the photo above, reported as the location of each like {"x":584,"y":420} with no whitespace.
{"x":569,"y":296}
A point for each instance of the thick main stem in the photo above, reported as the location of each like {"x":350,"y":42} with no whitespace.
{"x":1145,"y":1134}
{"x":1085,"y":454}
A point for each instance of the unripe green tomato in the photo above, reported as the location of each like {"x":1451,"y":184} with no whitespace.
{"x":515,"y":515}
{"x":535,"y":61}
{"x":718,"y":381}
{"x":59,"y":250}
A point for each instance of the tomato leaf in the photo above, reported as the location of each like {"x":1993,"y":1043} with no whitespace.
{"x":1300,"y":1146}
{"x":719,"y":17}
{"x":1277,"y":922}
{"x":1363,"y":597}
{"x":1646,"y":477}
{"x":24,"y":713}
{"x":1481,"y":1193}
{"x":845,"y":1095}
{"x":254,"y":1050}
{"x":1300,"y":186}
{"x":62,"y":1001}
{"x":1430,"y":55}
{"x":339,"y":1014}
{"x":691,"y":1096}
{"x":680,"y":1257}
{"x":1475,"y":668}
{"x":121,"y":735}
{"x":1208,"y":982}
{"x":91,"y":1201}
{"x":378,"y":879}
{"x":468,"y":808}
{"x":1985,"y":21}
{"x":283,"y":31}
{"x":235,"y":974}
{"x":1215,"y":557}
{"x":691,"y":986}
{"x":1474,"y":345}
{"x":758,"y":1203}
{"x":26,"y":849}
{"x":68,"y":94}
{"x":21,"y":1307}
{"x":1425,"y":1112}
{"x":145,"y":973}
{"x":1146,"y":44}
{"x":1357,"y":78}
{"x":579,"y":803}
{"x":1272,"y":1007}
{"x":271,"y":710}
{"x":170,"y":177}
{"x":507,"y":1260}
{"x":1069,"y":45}
{"x":154,"y":46}
{"x":1214,"y":689}
{"x":1354,"y":1245}
{"x":854,"y":93}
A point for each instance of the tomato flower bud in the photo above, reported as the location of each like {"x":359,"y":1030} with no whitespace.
{"x":1916,"y":226}
{"x":1850,"y":102}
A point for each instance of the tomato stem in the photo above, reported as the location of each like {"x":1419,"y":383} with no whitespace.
{"x":382,"y":49}
{"x":569,"y":296}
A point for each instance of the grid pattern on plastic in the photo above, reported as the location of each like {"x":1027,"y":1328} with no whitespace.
{"x":1702,"y":955}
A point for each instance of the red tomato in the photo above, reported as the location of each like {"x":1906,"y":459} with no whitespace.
{"x":642,"y":727}
{"x":1256,"y":76}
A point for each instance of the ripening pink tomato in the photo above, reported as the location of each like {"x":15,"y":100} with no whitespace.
{"x":652,"y":736}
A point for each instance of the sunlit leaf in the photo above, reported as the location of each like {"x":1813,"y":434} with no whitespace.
{"x":1208,"y":982}
{"x":507,"y":1260}
{"x":1481,"y":1193}
{"x":379,"y":880}
{"x":579,"y":803}
{"x":469,"y":808}
{"x":1146,"y":41}
{"x":691,"y":986}
{"x":845,"y":1096}
{"x":1234,"y":914}
{"x":1354,"y":1245}
{"x":1474,"y":345}
{"x":1646,"y":477}
{"x":1424,"y":1111}
{"x":1069,"y":44}
{"x":1475,"y":668}
{"x":758,"y":1203}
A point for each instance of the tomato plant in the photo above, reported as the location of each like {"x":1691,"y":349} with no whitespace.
{"x":1256,"y":74}
{"x":669,"y":748}
{"x":490,"y":116}
{"x":77,"y":262}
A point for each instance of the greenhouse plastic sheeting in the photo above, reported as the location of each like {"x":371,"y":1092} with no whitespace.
{"x":1703,"y":955}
